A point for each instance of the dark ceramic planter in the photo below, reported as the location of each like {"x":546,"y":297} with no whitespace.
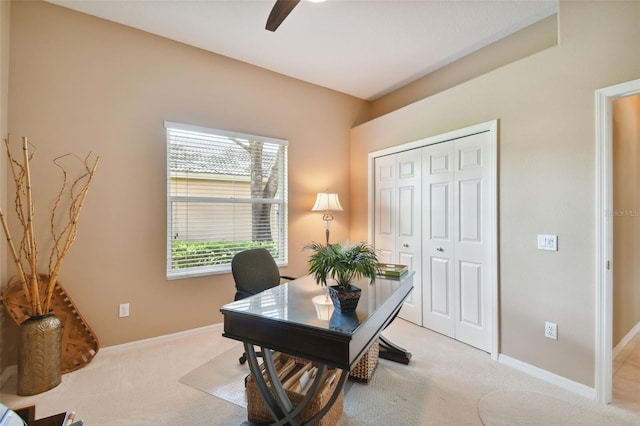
{"x":345,"y":300}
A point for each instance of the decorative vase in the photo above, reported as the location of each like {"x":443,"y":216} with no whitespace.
{"x":344,"y":322}
{"x":39,"y":354}
{"x":345,"y":300}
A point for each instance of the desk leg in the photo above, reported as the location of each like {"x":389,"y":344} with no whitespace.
{"x":268,"y":399}
{"x":393,"y":352}
{"x":278,"y":403}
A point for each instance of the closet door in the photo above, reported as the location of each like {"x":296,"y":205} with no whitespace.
{"x":408,"y":228}
{"x":397,"y":235}
{"x":472,"y":232}
{"x":456,"y":259}
{"x":438,"y":239}
{"x":385,"y":208}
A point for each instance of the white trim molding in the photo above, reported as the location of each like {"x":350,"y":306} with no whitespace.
{"x":626,"y":339}
{"x":547,"y":376}
{"x":137,"y":344}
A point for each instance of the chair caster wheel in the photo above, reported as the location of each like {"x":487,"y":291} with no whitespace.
{"x":242,"y":359}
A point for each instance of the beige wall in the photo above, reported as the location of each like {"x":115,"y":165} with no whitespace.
{"x":534,"y":38}
{"x":626,"y":219}
{"x":81,"y":84}
{"x":545,"y":104}
{"x":5,"y":11}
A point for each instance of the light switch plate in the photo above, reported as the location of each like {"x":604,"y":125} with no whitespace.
{"x":548,"y":242}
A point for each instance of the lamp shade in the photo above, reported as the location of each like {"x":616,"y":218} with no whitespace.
{"x":326,"y":201}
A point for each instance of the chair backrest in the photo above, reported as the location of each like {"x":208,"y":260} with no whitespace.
{"x":254,"y":270}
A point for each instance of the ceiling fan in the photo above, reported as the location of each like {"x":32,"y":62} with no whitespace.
{"x":280,"y":11}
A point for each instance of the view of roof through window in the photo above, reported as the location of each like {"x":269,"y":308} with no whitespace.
{"x":215,"y":154}
{"x":226,"y":192}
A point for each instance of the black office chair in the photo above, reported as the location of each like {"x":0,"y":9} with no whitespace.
{"x":254,"y":270}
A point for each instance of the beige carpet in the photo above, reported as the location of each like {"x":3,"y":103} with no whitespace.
{"x":446,"y":383}
{"x":497,"y":408}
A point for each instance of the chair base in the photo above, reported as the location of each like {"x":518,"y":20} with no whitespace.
{"x":243,"y":358}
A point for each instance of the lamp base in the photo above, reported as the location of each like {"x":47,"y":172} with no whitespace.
{"x":324,"y":307}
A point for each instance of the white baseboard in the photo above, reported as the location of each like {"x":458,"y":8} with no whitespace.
{"x":562,"y":382}
{"x":159,"y":339}
{"x":7,"y":373}
{"x":13,"y":369}
{"x":625,"y":340}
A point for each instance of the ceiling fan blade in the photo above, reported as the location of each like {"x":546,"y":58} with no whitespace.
{"x":280,"y":10}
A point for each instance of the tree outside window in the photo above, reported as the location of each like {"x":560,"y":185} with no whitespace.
{"x":226,"y":192}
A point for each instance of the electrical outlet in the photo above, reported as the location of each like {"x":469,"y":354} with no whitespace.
{"x":551,"y":330}
{"x":124,"y":310}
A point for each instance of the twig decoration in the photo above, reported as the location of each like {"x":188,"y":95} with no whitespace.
{"x":25,"y":256}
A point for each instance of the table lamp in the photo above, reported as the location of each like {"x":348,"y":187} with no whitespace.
{"x":327,"y":202}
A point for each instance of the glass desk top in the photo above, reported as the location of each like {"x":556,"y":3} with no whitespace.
{"x":284,"y":318}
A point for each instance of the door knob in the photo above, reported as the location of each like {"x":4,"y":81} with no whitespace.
{"x":439,"y":249}
{"x":405,"y":245}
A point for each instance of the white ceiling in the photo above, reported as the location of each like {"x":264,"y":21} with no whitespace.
{"x":365,"y":48}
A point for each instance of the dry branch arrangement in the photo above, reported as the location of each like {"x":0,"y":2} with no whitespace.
{"x":25,"y":253}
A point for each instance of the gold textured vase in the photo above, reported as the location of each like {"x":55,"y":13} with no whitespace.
{"x":39,"y":352}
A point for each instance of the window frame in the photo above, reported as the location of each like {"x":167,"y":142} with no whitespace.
{"x":282,"y":255}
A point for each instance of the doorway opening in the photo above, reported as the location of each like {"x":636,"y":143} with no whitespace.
{"x":604,"y":234}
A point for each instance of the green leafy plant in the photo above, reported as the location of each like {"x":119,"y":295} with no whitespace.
{"x":343,"y":262}
{"x":186,"y":254}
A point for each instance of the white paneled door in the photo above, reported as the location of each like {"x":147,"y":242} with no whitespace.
{"x":409,"y":235}
{"x":397,"y":220}
{"x":385,"y":212}
{"x":438,"y":239}
{"x":456,"y":243}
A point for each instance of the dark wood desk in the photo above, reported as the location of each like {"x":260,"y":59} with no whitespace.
{"x":284,"y":319}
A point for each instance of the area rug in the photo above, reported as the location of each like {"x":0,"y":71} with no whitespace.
{"x":222,"y":377}
{"x":393,"y":389}
{"x":521,"y":407}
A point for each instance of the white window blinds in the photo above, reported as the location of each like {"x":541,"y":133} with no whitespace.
{"x":226,"y":192}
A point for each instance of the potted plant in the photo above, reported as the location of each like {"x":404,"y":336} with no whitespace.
{"x":343,"y":262}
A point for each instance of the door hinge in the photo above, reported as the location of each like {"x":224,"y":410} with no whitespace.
{"x":608,"y":264}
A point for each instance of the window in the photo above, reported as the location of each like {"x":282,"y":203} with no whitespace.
{"x":226,"y":192}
